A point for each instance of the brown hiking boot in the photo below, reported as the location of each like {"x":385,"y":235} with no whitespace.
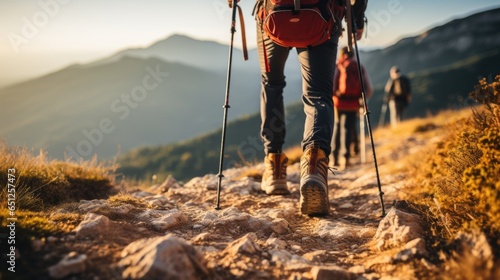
{"x":274,"y":177}
{"x":314,"y":183}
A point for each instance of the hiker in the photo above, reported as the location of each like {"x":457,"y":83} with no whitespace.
{"x":346,"y":98}
{"x":317,"y":82}
{"x":398,"y":95}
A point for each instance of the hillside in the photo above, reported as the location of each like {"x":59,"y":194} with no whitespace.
{"x":441,"y":88}
{"x":134,"y":234}
{"x":440,"y":46}
{"x":53,"y":111}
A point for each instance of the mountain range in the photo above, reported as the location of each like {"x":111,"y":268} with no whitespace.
{"x":110,"y":105}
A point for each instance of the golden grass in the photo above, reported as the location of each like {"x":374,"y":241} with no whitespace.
{"x":456,"y":183}
{"x":41,"y":183}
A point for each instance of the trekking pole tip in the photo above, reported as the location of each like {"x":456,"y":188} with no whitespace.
{"x":218,"y":208}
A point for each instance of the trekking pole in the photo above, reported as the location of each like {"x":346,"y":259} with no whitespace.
{"x":362,"y":140}
{"x":351,"y":25}
{"x":383,"y":111}
{"x":226,"y":106}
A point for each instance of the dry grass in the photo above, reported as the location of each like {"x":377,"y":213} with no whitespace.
{"x":41,"y":183}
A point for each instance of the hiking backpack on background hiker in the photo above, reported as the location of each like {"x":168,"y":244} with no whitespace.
{"x":349,"y":84}
{"x":299,"y":23}
{"x":401,"y":88}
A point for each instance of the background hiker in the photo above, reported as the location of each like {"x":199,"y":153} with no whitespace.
{"x":346,"y":98}
{"x":313,"y":30}
{"x":398,"y":94}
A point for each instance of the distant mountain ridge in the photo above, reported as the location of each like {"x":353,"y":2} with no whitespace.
{"x":179,"y":48}
{"x":440,"y":46}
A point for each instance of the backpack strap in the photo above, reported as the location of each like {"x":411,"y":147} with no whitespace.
{"x":243,"y":33}
{"x":256,"y":7}
{"x":348,"y":19}
{"x":296,"y":5}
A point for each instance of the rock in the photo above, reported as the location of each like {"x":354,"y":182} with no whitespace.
{"x":70,"y":264}
{"x":280,"y":226}
{"x":315,"y":256}
{"x":170,"y":182}
{"x":204,"y":237}
{"x":208,"y":218}
{"x":280,"y":256}
{"x":166,"y":257}
{"x":121,"y":209}
{"x":243,"y":187}
{"x":208,"y":182}
{"x":240,"y":222}
{"x":331,"y":272}
{"x":475,"y":247}
{"x":141,"y":194}
{"x":244,"y":245}
{"x":155,"y":201}
{"x":337,"y":230}
{"x":37,"y":244}
{"x":87,"y":206}
{"x":283,"y":212}
{"x":346,"y":205}
{"x":52,"y":239}
{"x":397,"y":228}
{"x":93,"y":225}
{"x":163,"y":219}
{"x":276,"y":243}
{"x":358,"y":269}
{"x":419,"y":245}
{"x":477,"y":244}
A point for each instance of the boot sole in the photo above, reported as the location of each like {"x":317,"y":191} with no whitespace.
{"x":314,"y":198}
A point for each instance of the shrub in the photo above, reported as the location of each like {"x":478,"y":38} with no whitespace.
{"x":460,"y":180}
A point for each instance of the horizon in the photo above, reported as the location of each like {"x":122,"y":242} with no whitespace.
{"x":79,"y":33}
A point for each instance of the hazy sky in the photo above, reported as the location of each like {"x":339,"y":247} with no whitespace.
{"x":37,"y":36}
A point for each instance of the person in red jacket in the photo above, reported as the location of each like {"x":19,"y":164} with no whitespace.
{"x":346,"y":98}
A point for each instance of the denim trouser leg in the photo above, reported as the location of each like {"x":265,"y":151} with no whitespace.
{"x":271,"y":97}
{"x":318,"y":67}
{"x":345,"y":124}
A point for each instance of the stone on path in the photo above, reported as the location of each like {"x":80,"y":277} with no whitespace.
{"x":166,"y":257}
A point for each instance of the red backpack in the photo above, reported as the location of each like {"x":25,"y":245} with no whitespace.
{"x":349,"y":83}
{"x":299,"y":23}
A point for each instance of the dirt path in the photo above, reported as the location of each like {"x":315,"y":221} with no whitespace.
{"x":286,"y":244}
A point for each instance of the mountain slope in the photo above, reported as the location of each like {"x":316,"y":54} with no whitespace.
{"x":438,"y":47}
{"x":53,"y":111}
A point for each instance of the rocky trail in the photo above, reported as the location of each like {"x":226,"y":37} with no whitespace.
{"x":172,"y":231}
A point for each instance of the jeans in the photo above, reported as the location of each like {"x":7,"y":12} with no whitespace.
{"x":345,"y":126}
{"x":317,"y":69}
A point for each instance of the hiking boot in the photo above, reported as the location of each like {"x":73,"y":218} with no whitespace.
{"x":274,"y":177}
{"x":314,"y":183}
